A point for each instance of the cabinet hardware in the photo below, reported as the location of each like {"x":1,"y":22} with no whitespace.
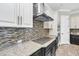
{"x":21,"y":20}
{"x":18,"y":20}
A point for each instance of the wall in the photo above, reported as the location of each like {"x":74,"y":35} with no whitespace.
{"x":54,"y":31}
{"x":49,"y":11}
{"x":14,"y":34}
{"x":54,"y":15}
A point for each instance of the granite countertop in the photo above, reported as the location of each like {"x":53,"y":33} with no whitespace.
{"x":25,"y":48}
{"x":74,"y":33}
{"x":45,"y":41}
{"x":21,"y":49}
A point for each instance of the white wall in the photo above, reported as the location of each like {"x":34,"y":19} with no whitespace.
{"x":55,"y":24}
{"x":48,"y":10}
{"x":54,"y":15}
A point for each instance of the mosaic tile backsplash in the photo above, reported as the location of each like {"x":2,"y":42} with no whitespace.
{"x":14,"y":34}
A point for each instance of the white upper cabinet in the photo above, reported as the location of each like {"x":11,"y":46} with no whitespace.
{"x":77,"y":22}
{"x":26,"y":14}
{"x":8,"y":14}
{"x":48,"y":24}
{"x":74,"y":22}
{"x":16,"y":14}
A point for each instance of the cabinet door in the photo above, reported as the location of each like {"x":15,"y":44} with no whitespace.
{"x":77,"y":22}
{"x":26,"y":14}
{"x":8,"y":16}
{"x":72,"y":23}
{"x":38,"y":53}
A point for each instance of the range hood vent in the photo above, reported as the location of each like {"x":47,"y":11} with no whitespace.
{"x":42,"y":16}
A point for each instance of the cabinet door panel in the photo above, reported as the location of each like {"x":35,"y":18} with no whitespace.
{"x":77,"y":22}
{"x":8,"y":14}
{"x":72,"y":23}
{"x":38,"y":53}
{"x":26,"y":11}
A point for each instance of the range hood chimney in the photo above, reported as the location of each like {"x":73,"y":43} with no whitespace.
{"x":39,"y":12}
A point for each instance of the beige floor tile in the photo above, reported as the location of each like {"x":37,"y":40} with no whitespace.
{"x":68,"y":50}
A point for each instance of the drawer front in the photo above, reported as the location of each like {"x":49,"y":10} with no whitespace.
{"x":51,"y":49}
{"x":48,"y":53}
{"x":37,"y":53}
{"x":74,"y":39}
{"x":48,"y":48}
{"x":51,"y":45}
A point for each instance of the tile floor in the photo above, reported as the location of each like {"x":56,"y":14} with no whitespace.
{"x":68,"y":50}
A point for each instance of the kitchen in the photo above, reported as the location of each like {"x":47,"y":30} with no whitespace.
{"x":37,"y":29}
{"x":23,"y":32}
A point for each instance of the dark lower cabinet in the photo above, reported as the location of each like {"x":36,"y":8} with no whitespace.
{"x":38,"y":53}
{"x":74,"y":39}
{"x":50,"y":49}
{"x":47,"y":51}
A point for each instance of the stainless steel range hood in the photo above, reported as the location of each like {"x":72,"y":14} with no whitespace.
{"x":39,"y":12}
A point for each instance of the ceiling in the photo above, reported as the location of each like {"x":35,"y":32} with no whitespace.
{"x":65,"y":6}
